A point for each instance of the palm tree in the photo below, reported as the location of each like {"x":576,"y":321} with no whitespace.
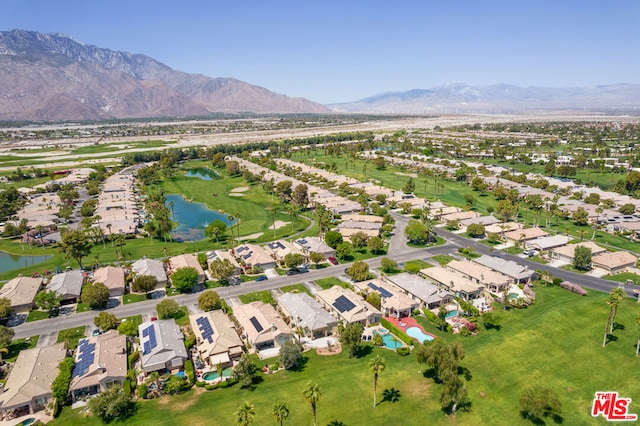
{"x":312,"y":394}
{"x":173,"y":214}
{"x":245,"y":414}
{"x":237,"y":218}
{"x":280,"y":412}
{"x":619,"y":296}
{"x":272,"y":209}
{"x":376,"y":365}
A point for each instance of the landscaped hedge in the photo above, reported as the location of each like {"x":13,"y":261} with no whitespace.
{"x":143,"y":390}
{"x":190,"y":342}
{"x":221,"y":385}
{"x":60,"y":386}
{"x":403,"y":351}
{"x":395,"y":330}
{"x":126,"y":386}
{"x":188,"y":370}
{"x":133,"y":358}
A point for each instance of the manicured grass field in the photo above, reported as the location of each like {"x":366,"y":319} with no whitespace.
{"x":329,"y":282}
{"x":295,"y":288}
{"x":19,"y":345}
{"x":623,"y":277}
{"x":442,"y":259}
{"x":36,"y":315}
{"x":264,"y":296}
{"x":72,"y":335}
{"x":556,"y":342}
{"x":133,"y":298}
{"x":416,"y":265}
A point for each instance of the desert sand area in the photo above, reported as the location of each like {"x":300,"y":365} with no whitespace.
{"x":389,"y":124}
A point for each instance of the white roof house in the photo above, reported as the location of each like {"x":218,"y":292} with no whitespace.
{"x":68,"y":285}
{"x":300,"y":310}
{"x":217,"y":339}
{"x":151,"y":267}
{"x":262,"y":326}
{"x":420,"y":290}
{"x":518,"y":273}
{"x":394,"y":302}
{"x":254,"y":255}
{"x":348,"y":306}
{"x":315,"y":244}
{"x":461,"y":286}
{"x":162,"y":345}
{"x":21,"y":291}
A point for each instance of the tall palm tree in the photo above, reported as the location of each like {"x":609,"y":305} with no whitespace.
{"x":619,"y":295}
{"x":312,"y":394}
{"x":245,"y":414}
{"x":615,"y":297}
{"x":376,"y":365}
{"x":280,"y":412}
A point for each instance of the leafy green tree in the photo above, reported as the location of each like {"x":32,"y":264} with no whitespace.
{"x":47,"y":300}
{"x":280,"y":412}
{"x":359,"y":271}
{"x":376,"y":365}
{"x":627,"y":209}
{"x":233,"y":168}
{"x":409,"y":187}
{"x":293,"y":260}
{"x":316,"y":257}
{"x":105,"y":321}
{"x":582,"y":258}
{"x":444,"y":359}
{"x":215,"y":229}
{"x":5,"y":307}
{"x":112,"y":403}
{"x":580,"y":216}
{"x":375,"y":244}
{"x":245,"y":414}
{"x":417,"y":232}
{"x":245,"y":371}
{"x":374,"y":300}
{"x":144,"y":283}
{"x":475,"y":230}
{"x":300,"y":196}
{"x":168,"y":308}
{"x":184,"y":279}
{"x":359,"y":239}
{"x":538,"y":401}
{"x":222,"y":270}
{"x":333,"y":238}
{"x":351,"y":337}
{"x":491,"y":320}
{"x":6,"y":336}
{"x":343,"y":251}
{"x":311,"y":394}
{"x":388,"y":265}
{"x":75,"y":245}
{"x":209,"y":300}
{"x":128,"y":328}
{"x":95,"y":295}
{"x":290,"y":354}
{"x":60,"y":385}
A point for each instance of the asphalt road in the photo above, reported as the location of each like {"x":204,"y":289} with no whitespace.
{"x":399,"y":252}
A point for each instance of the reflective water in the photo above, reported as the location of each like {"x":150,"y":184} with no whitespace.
{"x":192,"y":218}
{"x":202,"y":173}
{"x":9,"y":262}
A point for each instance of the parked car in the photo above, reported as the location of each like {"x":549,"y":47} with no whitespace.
{"x":261,"y":278}
{"x":332,"y":260}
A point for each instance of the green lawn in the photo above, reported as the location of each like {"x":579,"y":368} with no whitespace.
{"x":538,"y":259}
{"x":133,"y":298}
{"x":136,"y":319}
{"x":182,"y":319}
{"x":442,"y":259}
{"x":571,"y":268}
{"x":19,"y":345}
{"x":416,"y":265}
{"x":556,"y":342}
{"x":513,"y":250}
{"x":329,"y":282}
{"x":36,"y":315}
{"x":72,"y":335}
{"x":295,"y":288}
{"x":623,"y":277}
{"x":82,"y":307}
{"x":264,"y":296}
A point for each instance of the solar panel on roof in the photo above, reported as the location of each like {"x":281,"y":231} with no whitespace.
{"x":146,"y":349}
{"x":343,"y":304}
{"x":256,"y":324}
{"x":145,"y":332}
{"x":384,"y":292}
{"x":302,"y":241}
{"x":152,"y":338}
{"x":86,"y":355}
{"x":241,"y":249}
{"x":246,"y":256}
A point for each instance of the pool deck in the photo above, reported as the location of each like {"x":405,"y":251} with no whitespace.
{"x":407,"y":322}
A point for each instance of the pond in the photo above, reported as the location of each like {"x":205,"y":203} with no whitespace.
{"x":9,"y":262}
{"x":192,"y":218}
{"x":202,"y":173}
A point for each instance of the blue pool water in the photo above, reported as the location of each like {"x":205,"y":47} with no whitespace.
{"x":451,"y":314}
{"x":416,"y":333}
{"x":212,"y":375}
{"x":192,"y":218}
{"x":391,"y":342}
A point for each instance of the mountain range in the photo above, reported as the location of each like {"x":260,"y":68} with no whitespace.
{"x":55,"y":78}
{"x":498,"y":99}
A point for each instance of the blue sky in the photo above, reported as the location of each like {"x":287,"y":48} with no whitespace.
{"x":340,"y":51}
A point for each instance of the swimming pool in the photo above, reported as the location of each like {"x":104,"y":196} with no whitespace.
{"x":213,"y":375}
{"x":417,"y":334}
{"x":452,"y":314}
{"x":391,"y":342}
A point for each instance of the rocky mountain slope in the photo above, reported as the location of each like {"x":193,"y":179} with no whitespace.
{"x":54,"y":77}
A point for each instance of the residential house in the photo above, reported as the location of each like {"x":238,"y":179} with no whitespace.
{"x":21,"y":291}
{"x":67,"y":285}
{"x":262,"y":326}
{"x":101,"y":361}
{"x":500,"y":228}
{"x":348,"y":306}
{"x":458,"y":216}
{"x":459,"y":285}
{"x":112,"y":277}
{"x":566,"y":253}
{"x":315,"y":245}
{"x":480,"y":220}
{"x":28,"y":388}
{"x":614,"y":262}
{"x":252,"y":255}
{"x":493,"y":281}
{"x":424,"y":292}
{"x":217,"y":339}
{"x":546,"y":244}
{"x":279,"y":249}
{"x":162,"y":345}
{"x":153,"y":268}
{"x":393,"y":301}
{"x":521,"y":236}
{"x":303,"y":312}
{"x":519,"y":274}
{"x":186,"y":261}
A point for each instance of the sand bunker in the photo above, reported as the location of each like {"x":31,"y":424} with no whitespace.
{"x":235,"y":194}
{"x":415,"y":175}
{"x":278,"y":224}
{"x":250,"y":237}
{"x":240,"y":189}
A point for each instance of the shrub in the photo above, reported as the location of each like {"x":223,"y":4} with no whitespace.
{"x":403,"y":351}
{"x":575,"y":288}
{"x":464,"y":331}
{"x":190,"y":342}
{"x":143,"y":391}
{"x":60,"y":386}
{"x":133,"y":358}
{"x":126,"y":386}
{"x":188,"y":370}
{"x":431,"y":316}
{"x":200,"y":384}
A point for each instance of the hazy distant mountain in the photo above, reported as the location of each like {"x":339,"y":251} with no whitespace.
{"x":500,"y":98}
{"x":54,"y":77}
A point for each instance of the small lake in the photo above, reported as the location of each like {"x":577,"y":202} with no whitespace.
{"x":9,"y":262}
{"x":192,"y":218}
{"x":202,"y":173}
